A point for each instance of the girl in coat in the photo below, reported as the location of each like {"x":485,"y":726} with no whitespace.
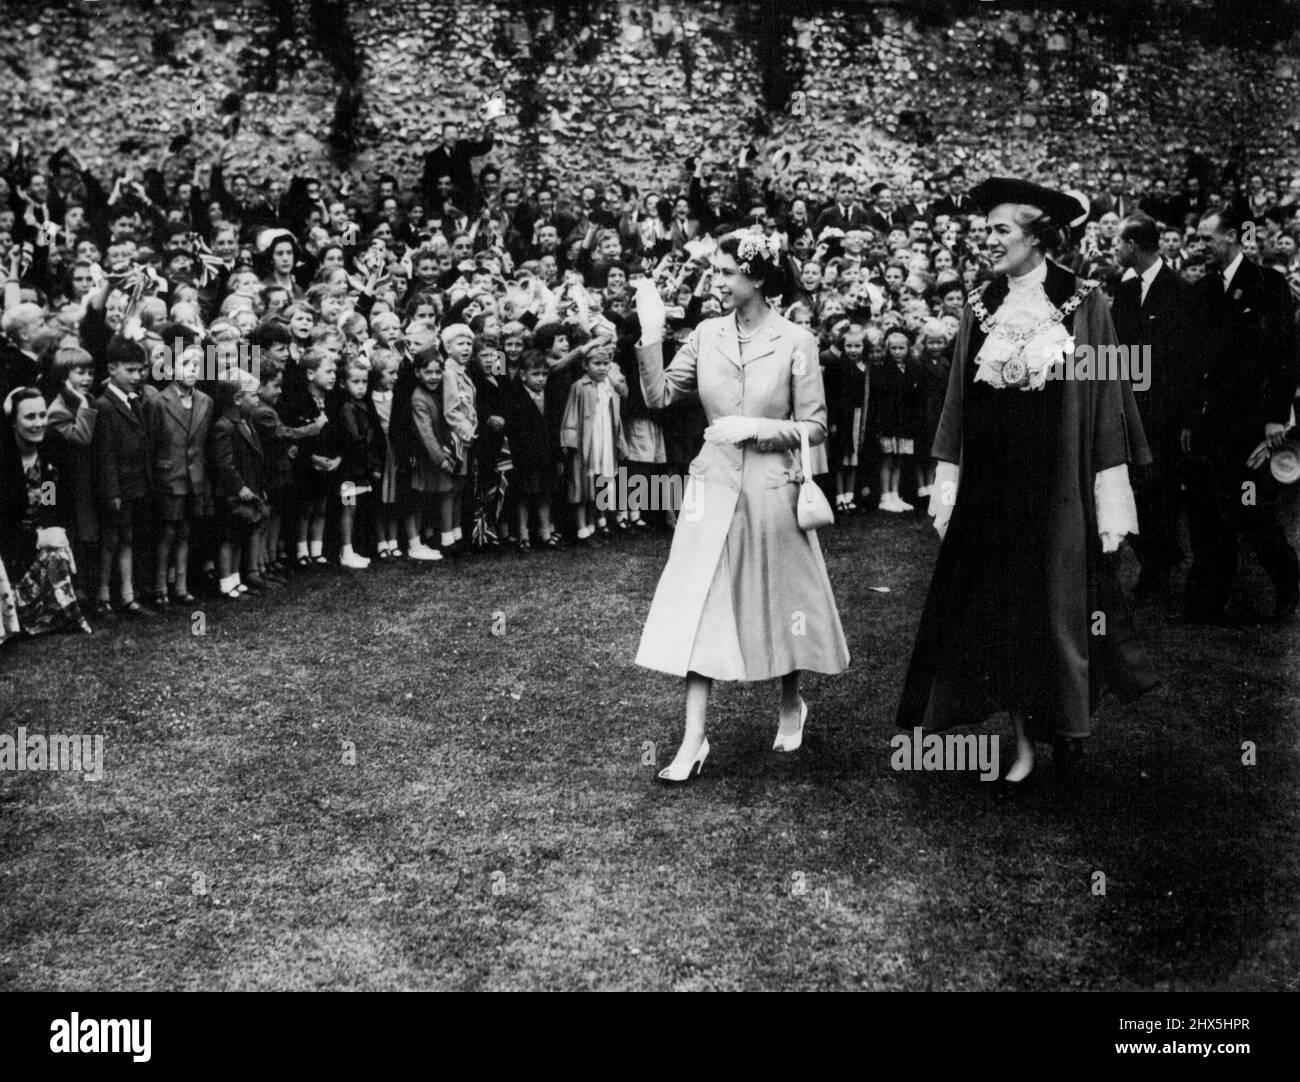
{"x":934,"y":359}
{"x":745,"y":594}
{"x":384,"y":365}
{"x":459,"y":405}
{"x":845,"y":369}
{"x":895,"y":393}
{"x":318,"y":460}
{"x":492,"y":465}
{"x":434,"y":468}
{"x":361,"y":449}
{"x":592,"y":434}
{"x":534,"y":449}
{"x":71,"y":421}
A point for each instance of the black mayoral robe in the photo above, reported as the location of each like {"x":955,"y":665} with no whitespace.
{"x":1024,"y":611}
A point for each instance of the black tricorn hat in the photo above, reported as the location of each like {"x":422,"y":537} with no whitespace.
{"x":1067,"y":209}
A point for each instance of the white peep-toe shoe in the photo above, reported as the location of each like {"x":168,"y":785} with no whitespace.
{"x":690,"y":772}
{"x":795,"y":740}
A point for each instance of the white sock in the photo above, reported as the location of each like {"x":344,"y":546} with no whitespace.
{"x":587,"y":531}
{"x":449,"y":538}
{"x":347,"y":551}
{"x":317,"y":548}
{"x":456,"y":534}
{"x":302,"y":548}
{"x":229,"y":583}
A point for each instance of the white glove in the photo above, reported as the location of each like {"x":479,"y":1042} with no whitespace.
{"x":731,"y":430}
{"x":650,"y":311}
{"x":52,"y":537}
{"x":943,"y":495}
{"x":1116,"y":508}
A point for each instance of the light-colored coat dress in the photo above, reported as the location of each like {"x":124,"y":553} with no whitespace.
{"x":745,"y":595}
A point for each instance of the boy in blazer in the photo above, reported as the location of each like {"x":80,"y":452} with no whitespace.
{"x":177,"y":420}
{"x":239,"y":480}
{"x":120,"y":449}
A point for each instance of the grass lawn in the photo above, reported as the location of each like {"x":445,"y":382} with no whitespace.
{"x":500,"y":828}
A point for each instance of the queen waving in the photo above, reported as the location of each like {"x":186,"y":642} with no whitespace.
{"x":745,"y":594}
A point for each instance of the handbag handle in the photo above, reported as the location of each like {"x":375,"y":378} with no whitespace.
{"x":805,"y":451}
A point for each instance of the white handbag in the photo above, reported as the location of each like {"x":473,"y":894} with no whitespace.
{"x":814,"y":509}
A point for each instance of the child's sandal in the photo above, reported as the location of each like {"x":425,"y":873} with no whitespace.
{"x":551,"y":542}
{"x":303,"y":561}
{"x":320,"y":561}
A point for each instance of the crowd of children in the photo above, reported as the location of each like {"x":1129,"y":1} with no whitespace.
{"x":238,"y":389}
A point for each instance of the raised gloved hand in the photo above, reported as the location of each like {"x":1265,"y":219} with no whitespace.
{"x":650,"y":311}
{"x":731,"y":430}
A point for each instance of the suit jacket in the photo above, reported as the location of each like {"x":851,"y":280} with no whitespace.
{"x":911,"y":212}
{"x":833,"y":217}
{"x":236,"y":457}
{"x":120,"y":448}
{"x":1158,"y":323}
{"x":178,"y":439}
{"x":1123,"y":205}
{"x":1243,"y":361}
{"x":954,"y":206}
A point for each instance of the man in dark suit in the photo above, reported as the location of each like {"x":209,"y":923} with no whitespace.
{"x":1149,"y":319}
{"x":956,"y":203}
{"x":1242,"y":380}
{"x":1158,"y":203}
{"x":918,"y":206}
{"x":454,"y":157}
{"x":1117,"y":199}
{"x":1192,"y":202}
{"x":846,"y":212}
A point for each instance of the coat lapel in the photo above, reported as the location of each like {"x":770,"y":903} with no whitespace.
{"x":728,"y":344}
{"x":172,"y":400}
{"x":764,"y":343}
{"x":250,"y":437}
{"x":124,"y":408}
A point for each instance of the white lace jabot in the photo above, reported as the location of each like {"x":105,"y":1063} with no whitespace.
{"x":1025,"y":337}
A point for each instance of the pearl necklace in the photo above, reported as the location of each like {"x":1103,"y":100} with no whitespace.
{"x":744,"y":337}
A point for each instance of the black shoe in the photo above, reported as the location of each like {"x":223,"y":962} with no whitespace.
{"x":1004,"y":790}
{"x":1287,"y":603}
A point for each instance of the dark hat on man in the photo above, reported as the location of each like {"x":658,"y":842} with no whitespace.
{"x":1062,"y":207}
{"x":878,"y":187}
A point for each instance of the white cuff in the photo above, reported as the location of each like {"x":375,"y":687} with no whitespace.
{"x":1116,"y":508}
{"x":943,"y":494}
